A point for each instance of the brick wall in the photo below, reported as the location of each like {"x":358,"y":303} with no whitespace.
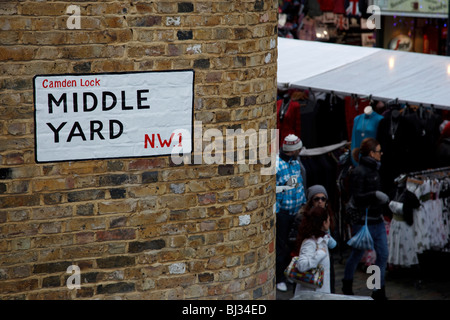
{"x":138,"y":228}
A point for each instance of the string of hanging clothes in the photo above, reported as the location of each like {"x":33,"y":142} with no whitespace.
{"x":421,"y":216}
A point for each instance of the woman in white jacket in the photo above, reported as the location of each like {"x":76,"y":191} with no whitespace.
{"x":313,"y":242}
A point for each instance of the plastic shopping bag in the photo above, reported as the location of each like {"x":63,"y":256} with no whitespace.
{"x":362,"y":239}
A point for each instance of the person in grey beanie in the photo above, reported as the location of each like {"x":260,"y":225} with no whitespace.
{"x":317,"y":196}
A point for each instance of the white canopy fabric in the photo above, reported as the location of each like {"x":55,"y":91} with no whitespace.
{"x":383,"y":74}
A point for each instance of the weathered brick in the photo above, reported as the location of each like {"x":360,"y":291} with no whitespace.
{"x":21,"y":271}
{"x":118,"y":222}
{"x":149,"y":177}
{"x":51,"y":267}
{"x":85,"y":210}
{"x":185,"y":7}
{"x":145,"y":164}
{"x":121,"y":287}
{"x":18,"y":286}
{"x":85,"y":195}
{"x":5,"y":173}
{"x":115,"y":262}
{"x":136,"y":247}
{"x":226,"y":169}
{"x":85,"y":237}
{"x":116,"y":234}
{"x":118,"y":193}
{"x":19,"y":201}
{"x":202,"y":63}
{"x":207,"y":198}
{"x":182,"y":35}
{"x":116,"y":179}
{"x":49,"y":282}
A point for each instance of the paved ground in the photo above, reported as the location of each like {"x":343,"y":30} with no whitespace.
{"x":433,"y":283}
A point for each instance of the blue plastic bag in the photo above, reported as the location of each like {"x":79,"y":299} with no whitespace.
{"x":362,"y":239}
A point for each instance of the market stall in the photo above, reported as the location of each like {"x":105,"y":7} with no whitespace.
{"x":383,"y":74}
{"x":342,"y":81}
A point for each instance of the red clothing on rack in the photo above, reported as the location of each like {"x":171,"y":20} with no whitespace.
{"x":291,"y":120}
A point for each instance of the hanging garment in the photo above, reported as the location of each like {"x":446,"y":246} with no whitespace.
{"x":353,"y":108}
{"x":339,"y":6}
{"x":330,"y":121}
{"x":326,"y":5}
{"x":288,"y":118}
{"x":421,"y":224}
{"x":352,"y":8}
{"x":308,"y":120}
{"x":427,"y":132}
{"x":396,"y":137}
{"x":364,"y":126}
{"x":313,"y":8}
{"x":402,"y":248}
{"x":437,"y":230}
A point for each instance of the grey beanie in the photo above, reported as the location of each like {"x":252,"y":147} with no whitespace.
{"x":315,"y":189}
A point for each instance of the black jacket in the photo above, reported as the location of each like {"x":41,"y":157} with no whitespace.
{"x":364,"y":182}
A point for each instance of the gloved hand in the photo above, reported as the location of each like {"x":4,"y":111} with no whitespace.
{"x":382,"y":197}
{"x":331,"y":242}
{"x":396,"y":207}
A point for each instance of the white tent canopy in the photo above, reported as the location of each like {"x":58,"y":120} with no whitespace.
{"x":383,"y":74}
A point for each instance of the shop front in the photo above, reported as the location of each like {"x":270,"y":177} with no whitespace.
{"x":413,"y":25}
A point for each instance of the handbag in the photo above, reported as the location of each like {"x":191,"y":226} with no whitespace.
{"x":353,"y":213}
{"x":362,"y":239}
{"x":312,"y":277}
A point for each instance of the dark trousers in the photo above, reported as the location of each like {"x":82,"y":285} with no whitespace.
{"x":283,"y":249}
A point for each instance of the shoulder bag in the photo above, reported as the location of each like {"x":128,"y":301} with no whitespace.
{"x":313,"y":277}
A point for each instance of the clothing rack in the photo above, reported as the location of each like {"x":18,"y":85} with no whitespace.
{"x":425,"y":172}
{"x":431,"y":237}
{"x":415,"y":176}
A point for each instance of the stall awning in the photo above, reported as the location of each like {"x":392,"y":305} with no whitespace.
{"x":384,"y":74}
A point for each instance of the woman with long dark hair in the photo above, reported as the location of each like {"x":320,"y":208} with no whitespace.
{"x":365,"y":189}
{"x":318,"y":196}
{"x":312,"y":241}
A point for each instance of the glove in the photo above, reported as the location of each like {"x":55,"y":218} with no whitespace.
{"x":331,"y":242}
{"x":382,"y":197}
{"x":396,"y":207}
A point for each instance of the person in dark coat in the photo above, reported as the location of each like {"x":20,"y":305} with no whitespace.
{"x":365,"y":189}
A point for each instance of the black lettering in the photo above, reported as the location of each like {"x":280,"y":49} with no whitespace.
{"x":124,"y":106}
{"x":75,"y":102}
{"x":114,"y":100}
{"x":76,"y":126}
{"x":111,"y":129}
{"x":96,"y":129}
{"x":51,"y":99}
{"x":56,"y":131}
{"x":140,"y":98}
{"x":85,"y":106}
